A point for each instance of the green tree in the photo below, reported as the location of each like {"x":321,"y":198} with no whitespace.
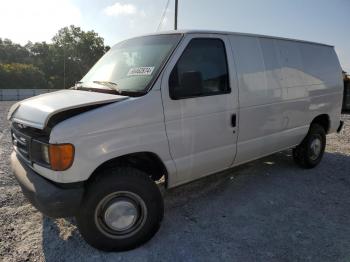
{"x":54,"y":65}
{"x":13,"y":53}
{"x":42,"y":56}
{"x":75,"y":52}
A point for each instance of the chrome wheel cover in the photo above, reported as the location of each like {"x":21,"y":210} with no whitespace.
{"x":120,"y":214}
{"x":315,"y":148}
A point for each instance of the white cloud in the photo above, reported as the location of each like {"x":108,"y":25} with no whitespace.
{"x":36,"y":20}
{"x":121,"y":9}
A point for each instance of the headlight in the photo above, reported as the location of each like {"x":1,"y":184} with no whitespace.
{"x":45,"y":153}
{"x":58,"y":157}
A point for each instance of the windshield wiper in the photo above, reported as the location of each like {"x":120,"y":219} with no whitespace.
{"x":111,"y":90}
{"x":133,"y":93}
{"x":110,"y":85}
{"x":113,"y":86}
{"x":107,"y":83}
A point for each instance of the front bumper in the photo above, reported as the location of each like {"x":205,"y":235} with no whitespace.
{"x":49,"y":198}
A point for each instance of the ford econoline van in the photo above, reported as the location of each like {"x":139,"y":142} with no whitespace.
{"x":175,"y":106}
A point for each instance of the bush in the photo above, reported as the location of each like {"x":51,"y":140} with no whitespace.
{"x":17,"y":75}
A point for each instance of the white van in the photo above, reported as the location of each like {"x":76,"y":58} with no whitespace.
{"x":176,"y":106}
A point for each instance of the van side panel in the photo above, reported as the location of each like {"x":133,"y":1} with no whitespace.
{"x":283,"y":86}
{"x":260,"y":97}
{"x":311,"y":82}
{"x":323,"y":75}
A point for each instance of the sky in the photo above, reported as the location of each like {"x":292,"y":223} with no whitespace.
{"x":325,"y":21}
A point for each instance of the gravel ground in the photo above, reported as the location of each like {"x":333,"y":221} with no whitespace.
{"x":267,"y":210}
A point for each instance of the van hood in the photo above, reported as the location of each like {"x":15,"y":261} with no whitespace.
{"x":37,"y":111}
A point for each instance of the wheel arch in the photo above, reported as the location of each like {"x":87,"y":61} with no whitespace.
{"x":148,"y":162}
{"x":323,"y":120}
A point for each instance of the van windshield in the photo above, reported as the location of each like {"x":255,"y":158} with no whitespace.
{"x":131,"y":65}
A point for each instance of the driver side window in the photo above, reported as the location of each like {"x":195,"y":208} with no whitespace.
{"x":201,"y":70}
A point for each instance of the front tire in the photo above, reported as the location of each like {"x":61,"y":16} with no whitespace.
{"x":310,"y":152}
{"x":122,"y":209}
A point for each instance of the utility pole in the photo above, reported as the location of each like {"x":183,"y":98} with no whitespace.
{"x":175,"y":22}
{"x":64,"y":67}
{"x":64,"y":64}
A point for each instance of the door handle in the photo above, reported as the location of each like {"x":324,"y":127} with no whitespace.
{"x":233,"y":120}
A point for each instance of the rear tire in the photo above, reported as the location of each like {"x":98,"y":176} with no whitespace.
{"x":122,"y":209}
{"x":310,"y":152}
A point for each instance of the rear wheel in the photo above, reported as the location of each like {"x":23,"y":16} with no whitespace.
{"x":310,"y":152}
{"x":122,"y":209}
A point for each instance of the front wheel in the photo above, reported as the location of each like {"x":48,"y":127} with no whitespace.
{"x":310,"y":152}
{"x":122,"y":209}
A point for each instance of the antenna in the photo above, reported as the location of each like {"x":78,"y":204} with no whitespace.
{"x":175,"y":22}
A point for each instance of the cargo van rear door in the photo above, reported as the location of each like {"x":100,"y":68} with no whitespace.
{"x":199,"y":94}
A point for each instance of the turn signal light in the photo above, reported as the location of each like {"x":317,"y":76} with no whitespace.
{"x":61,"y":156}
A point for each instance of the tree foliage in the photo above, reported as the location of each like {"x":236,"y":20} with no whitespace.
{"x":13,"y":53}
{"x":50,"y":65}
{"x":16,"y":75}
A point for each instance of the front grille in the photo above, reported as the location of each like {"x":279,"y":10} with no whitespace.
{"x":25,"y":141}
{"x":21,"y":144}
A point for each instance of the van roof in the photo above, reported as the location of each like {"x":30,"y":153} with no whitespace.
{"x":234,"y":33}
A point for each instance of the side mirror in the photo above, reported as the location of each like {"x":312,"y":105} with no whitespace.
{"x":191,"y":84}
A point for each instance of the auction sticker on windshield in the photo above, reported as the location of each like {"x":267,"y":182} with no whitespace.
{"x":141,"y":71}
